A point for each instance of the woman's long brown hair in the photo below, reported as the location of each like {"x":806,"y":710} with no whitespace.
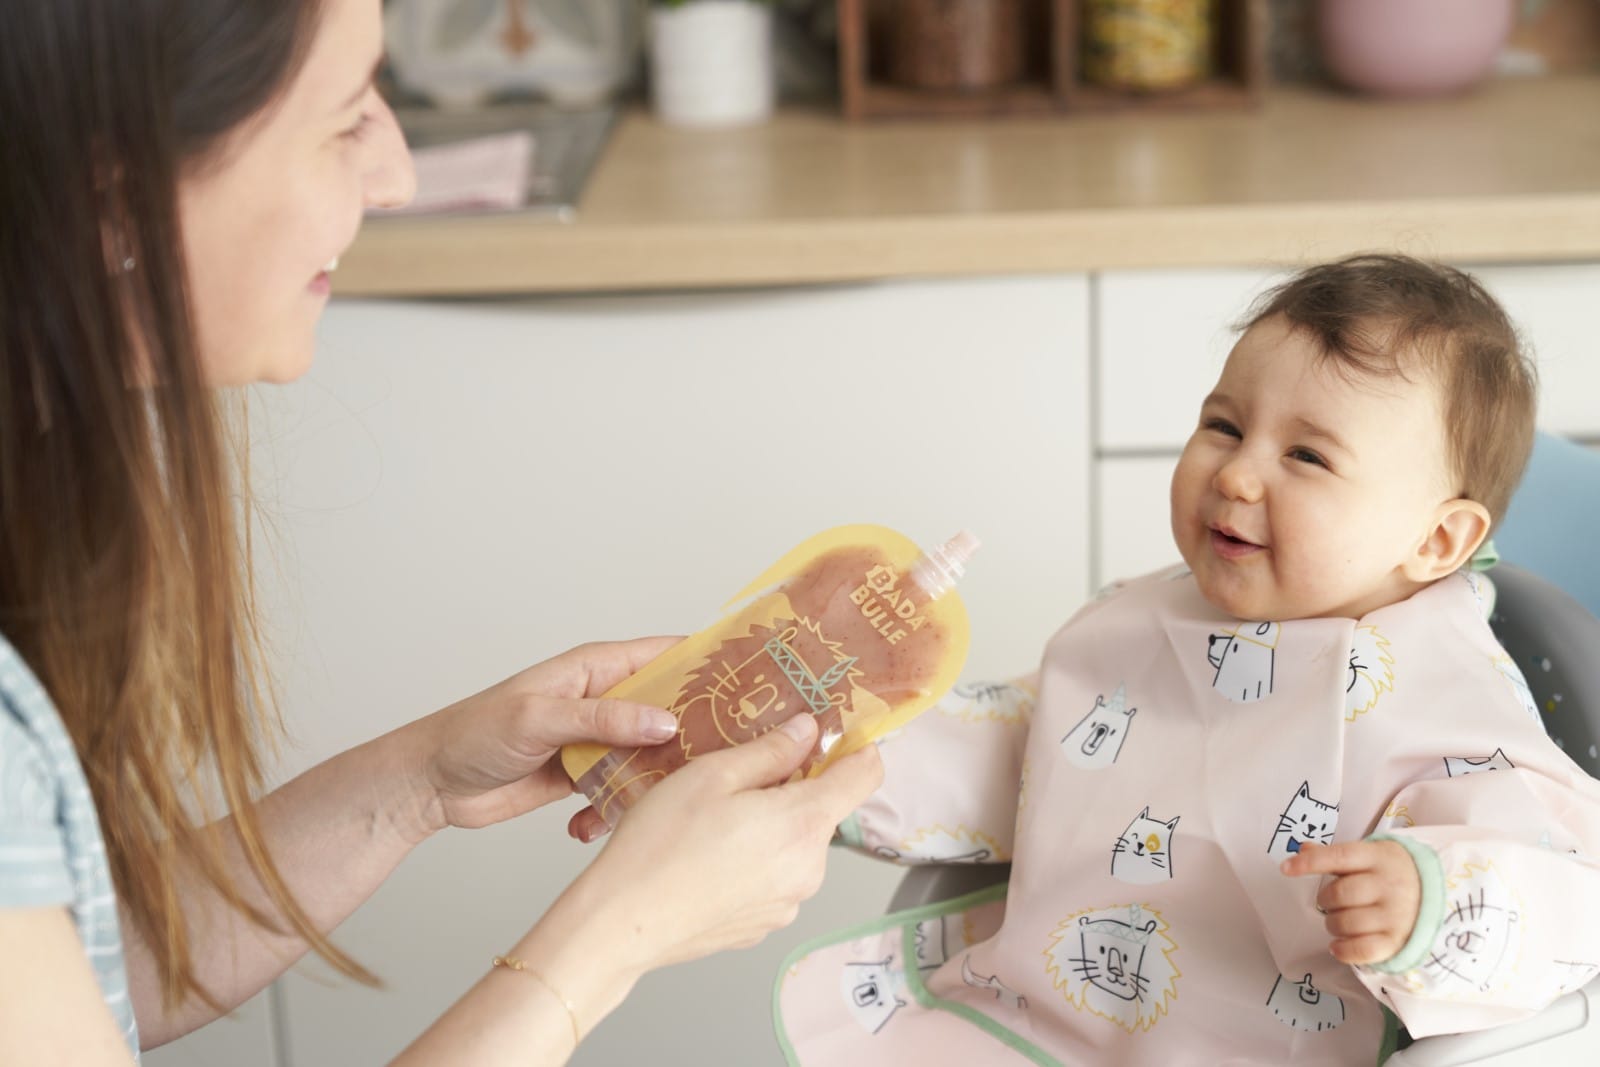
{"x":124,"y":552}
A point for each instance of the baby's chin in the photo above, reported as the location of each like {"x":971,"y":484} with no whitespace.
{"x":1250,"y":605}
{"x":1242,"y":602}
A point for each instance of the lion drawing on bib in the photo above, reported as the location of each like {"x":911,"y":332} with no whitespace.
{"x":1116,"y":963}
{"x":940,"y":844}
{"x":998,"y":702}
{"x":1478,"y":943}
{"x":1370,"y":672}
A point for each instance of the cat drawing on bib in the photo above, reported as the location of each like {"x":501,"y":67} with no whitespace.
{"x":1457,"y":766}
{"x":1305,"y":820}
{"x":1143,"y":852}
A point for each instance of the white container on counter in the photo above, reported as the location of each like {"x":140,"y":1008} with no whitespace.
{"x":711,"y":62}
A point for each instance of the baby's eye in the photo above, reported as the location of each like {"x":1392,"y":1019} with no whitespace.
{"x":1222,"y":426}
{"x":1305,"y":455}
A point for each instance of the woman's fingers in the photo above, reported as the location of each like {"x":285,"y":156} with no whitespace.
{"x":761,"y":761}
{"x":729,"y":857}
{"x":843,"y":786}
{"x":587,"y":825}
{"x":550,"y":723}
{"x":591,"y":669}
{"x":831,"y":796}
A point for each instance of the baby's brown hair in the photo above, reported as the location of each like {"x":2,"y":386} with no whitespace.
{"x":1377,"y":313}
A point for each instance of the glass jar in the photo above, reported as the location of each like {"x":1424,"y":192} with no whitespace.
{"x":955,"y":44}
{"x":1148,"y":45}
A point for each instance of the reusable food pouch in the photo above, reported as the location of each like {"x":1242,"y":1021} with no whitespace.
{"x":856,"y":626}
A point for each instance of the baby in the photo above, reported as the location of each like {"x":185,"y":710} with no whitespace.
{"x":1248,"y":802}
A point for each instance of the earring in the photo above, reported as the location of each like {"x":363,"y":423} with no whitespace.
{"x":128,"y":265}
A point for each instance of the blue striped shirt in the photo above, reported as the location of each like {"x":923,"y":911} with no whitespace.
{"x":51,"y":851}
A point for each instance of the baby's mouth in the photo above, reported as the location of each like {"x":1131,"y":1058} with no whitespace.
{"x":1229,"y":545}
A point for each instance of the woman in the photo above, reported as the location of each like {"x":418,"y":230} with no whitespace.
{"x":179,"y":177}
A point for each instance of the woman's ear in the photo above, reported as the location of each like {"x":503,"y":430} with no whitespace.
{"x":1458,"y":528}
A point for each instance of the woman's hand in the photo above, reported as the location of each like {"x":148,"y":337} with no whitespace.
{"x":711,"y":859}
{"x":493,"y":756}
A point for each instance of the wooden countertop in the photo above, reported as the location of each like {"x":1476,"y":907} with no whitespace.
{"x":1509,"y":173}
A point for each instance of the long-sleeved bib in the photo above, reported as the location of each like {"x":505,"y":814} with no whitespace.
{"x":1146,"y":785}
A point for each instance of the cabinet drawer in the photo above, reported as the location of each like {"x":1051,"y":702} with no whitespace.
{"x":1162,"y":337}
{"x":1133,"y":534}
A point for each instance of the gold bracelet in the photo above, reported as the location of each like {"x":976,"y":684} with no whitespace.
{"x":512,"y":963}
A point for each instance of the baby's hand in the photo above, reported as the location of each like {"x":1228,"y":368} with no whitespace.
{"x":1371,"y":903}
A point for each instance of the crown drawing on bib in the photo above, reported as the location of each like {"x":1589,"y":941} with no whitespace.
{"x":1139,"y":927}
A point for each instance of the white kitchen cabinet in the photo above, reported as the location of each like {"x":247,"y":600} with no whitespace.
{"x":462,"y":489}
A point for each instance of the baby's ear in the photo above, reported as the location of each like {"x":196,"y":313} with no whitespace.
{"x":1459,"y":527}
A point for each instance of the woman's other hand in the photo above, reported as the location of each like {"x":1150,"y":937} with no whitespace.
{"x":492,"y":756}
{"x":717,"y":855}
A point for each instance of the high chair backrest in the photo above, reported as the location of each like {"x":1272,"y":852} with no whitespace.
{"x":1556,"y":643}
{"x":1551,"y":524}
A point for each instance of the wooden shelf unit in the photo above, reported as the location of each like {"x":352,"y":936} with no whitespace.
{"x":1053,"y":80}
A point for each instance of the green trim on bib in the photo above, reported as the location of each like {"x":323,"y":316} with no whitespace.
{"x":907,"y":918}
{"x":848,"y":832}
{"x":966,"y":1011}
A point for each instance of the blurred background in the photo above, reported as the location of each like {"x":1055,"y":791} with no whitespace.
{"x":941,"y":263}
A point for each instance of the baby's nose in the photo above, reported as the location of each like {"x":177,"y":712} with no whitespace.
{"x":1237,"y":480}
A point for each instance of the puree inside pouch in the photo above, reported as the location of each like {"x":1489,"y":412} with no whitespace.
{"x":856,"y":626}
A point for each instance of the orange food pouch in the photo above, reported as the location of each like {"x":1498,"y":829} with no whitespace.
{"x":856,"y":626}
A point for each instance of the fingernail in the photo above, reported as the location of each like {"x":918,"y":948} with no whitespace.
{"x":796,"y":727}
{"x":658,"y":725}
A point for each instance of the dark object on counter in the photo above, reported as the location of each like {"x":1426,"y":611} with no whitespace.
{"x":1052,"y":79}
{"x":1148,"y":45}
{"x":955,"y":44}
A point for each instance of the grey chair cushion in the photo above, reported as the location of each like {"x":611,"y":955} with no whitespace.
{"x":1556,"y":643}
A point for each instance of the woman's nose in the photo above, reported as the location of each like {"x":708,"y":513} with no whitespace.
{"x":1237,"y":480}
{"x":390,"y":179}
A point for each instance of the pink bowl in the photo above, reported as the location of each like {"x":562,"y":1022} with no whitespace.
{"x":1412,"y":47}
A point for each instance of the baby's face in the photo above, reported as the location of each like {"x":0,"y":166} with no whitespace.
{"x":1306,"y":484}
